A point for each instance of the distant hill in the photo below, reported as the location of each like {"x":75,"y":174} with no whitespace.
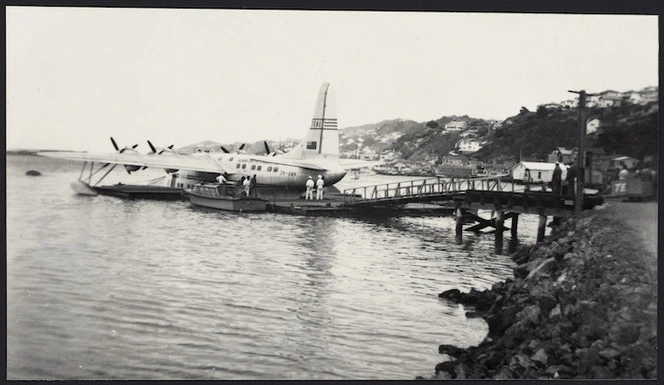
{"x":627,"y":129}
{"x":408,"y":139}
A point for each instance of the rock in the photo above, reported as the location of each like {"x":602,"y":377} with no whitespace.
{"x":33,"y":173}
{"x":447,"y":367}
{"x":503,"y":374}
{"x":522,"y":270}
{"x":450,"y":350}
{"x":540,"y":356}
{"x":601,"y":372}
{"x":494,"y":359}
{"x":471,"y":298}
{"x":461,"y":371}
{"x":529,"y":314}
{"x":547,"y":302}
{"x":560,"y":369}
{"x":628,"y":333}
{"x":545,"y":268}
{"x":555,"y":312}
{"x":497,"y":287}
{"x":609,"y":353}
{"x":500,"y":321}
{"x":442,"y":376}
{"x":452,"y":295}
{"x":520,"y":363}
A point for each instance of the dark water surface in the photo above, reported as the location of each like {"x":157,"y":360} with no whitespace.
{"x":105,"y":288}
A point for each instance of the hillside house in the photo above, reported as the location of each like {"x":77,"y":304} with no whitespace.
{"x":390,"y":156}
{"x":467,"y":133}
{"x":635,"y":97}
{"x":561,"y":154}
{"x":539,"y":171}
{"x":650,"y":94}
{"x":592,"y":100}
{"x":610,"y":99}
{"x":618,"y":162}
{"x":592,"y":125}
{"x":572,"y":103}
{"x":468,"y":146}
{"x":456,"y":125}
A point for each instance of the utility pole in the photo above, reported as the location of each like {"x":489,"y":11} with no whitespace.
{"x":581,"y":152}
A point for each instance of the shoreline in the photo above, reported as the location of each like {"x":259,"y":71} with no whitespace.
{"x":582,"y":304}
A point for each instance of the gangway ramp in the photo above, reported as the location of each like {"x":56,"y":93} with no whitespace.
{"x":420,"y":190}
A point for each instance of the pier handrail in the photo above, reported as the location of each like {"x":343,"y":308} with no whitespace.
{"x":421,"y":187}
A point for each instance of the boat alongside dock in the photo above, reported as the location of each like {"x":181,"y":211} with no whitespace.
{"x":137,"y":191}
{"x":222,"y":197}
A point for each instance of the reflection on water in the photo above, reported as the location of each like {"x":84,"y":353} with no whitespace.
{"x":104,"y":288}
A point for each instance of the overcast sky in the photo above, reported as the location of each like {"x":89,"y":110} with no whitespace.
{"x":76,"y":76}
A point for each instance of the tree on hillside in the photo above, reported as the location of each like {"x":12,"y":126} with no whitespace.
{"x":433,"y":124}
{"x":523,"y":111}
{"x":542,"y":112}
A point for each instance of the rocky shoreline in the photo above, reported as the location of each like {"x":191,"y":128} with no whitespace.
{"x":582,"y":304}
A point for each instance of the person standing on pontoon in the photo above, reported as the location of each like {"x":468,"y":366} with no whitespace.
{"x":310,"y":187}
{"x":320,"y":183}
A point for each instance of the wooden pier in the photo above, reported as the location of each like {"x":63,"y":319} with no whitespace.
{"x":507,"y":200}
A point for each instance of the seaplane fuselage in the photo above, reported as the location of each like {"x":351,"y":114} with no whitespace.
{"x":269,"y":170}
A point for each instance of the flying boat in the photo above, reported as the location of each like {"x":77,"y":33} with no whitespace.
{"x":317,"y":154}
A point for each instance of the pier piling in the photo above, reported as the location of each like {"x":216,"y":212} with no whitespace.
{"x":515,"y":225}
{"x":540,"y":228}
{"x":500,"y":219}
{"x":459,"y":223}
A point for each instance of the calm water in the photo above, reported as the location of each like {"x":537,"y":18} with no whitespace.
{"x":103,"y":288}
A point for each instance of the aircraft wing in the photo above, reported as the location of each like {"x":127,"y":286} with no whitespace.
{"x":350,"y":164}
{"x":201,"y":163}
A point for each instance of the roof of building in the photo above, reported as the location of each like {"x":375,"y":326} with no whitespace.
{"x":565,"y":151}
{"x":623,"y":158}
{"x":539,"y":166}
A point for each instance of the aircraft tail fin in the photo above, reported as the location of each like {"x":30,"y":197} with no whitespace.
{"x":322,"y":137}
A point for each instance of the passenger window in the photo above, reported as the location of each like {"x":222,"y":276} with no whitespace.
{"x":259,"y":168}
{"x":237,"y":165}
{"x":311,"y":145}
{"x":275,"y":169}
{"x":269,"y":168}
{"x":244,"y":166}
{"x":253,"y":166}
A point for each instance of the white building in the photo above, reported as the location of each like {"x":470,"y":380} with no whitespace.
{"x":539,"y":171}
{"x":572,"y":103}
{"x":592,"y":125}
{"x":467,"y":146}
{"x":456,"y":125}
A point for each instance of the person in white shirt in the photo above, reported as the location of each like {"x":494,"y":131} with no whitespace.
{"x":310,"y":187}
{"x":623,"y":174}
{"x":221,"y":179}
{"x":247,"y":185}
{"x":319,"y":187}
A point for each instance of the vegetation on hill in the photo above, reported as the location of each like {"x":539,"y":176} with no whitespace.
{"x":629,"y":129}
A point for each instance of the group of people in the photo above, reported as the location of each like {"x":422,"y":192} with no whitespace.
{"x":248,"y":184}
{"x":557,"y":185}
{"x":320,"y":183}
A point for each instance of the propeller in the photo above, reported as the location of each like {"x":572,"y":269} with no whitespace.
{"x":120,"y":151}
{"x":267,"y":148}
{"x":242,"y":147}
{"x":154,"y":150}
{"x":115,"y":144}
{"x":224,"y":150}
